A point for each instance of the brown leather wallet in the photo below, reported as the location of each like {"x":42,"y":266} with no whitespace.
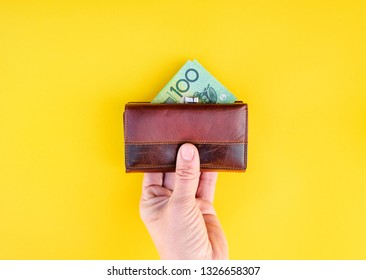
{"x":154,"y":133}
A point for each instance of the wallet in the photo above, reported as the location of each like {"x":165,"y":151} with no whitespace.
{"x":153,"y":134}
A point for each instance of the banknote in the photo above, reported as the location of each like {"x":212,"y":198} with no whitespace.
{"x":195,"y":82}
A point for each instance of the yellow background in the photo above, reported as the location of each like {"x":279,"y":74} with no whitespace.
{"x":67,"y":68}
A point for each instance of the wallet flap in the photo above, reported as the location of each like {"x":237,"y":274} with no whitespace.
{"x":171,"y":123}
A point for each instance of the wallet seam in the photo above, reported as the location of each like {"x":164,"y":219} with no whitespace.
{"x":126,"y":137}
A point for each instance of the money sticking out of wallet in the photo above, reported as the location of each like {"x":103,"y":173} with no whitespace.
{"x":192,"y":81}
{"x":192,"y":108}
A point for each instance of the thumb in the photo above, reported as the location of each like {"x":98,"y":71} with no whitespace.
{"x":187,"y":172}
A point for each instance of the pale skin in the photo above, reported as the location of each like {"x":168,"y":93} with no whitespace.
{"x":177,"y":209}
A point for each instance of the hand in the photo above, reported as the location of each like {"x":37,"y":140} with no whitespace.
{"x":178,"y":212}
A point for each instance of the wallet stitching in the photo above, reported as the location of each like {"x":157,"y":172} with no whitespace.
{"x":126,"y":137}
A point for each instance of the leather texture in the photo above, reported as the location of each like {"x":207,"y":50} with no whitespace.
{"x":154,"y":132}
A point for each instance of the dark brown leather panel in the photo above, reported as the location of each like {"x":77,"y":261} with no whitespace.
{"x":154,"y":157}
{"x":167,"y":123}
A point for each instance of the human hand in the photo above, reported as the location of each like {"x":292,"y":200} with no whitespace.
{"x":178,"y":212}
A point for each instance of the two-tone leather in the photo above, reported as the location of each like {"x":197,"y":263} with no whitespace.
{"x":154,"y":132}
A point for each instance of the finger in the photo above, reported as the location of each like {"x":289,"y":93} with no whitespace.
{"x":152,"y":179}
{"x":169,"y":180}
{"x":152,"y":187}
{"x":205,"y":207}
{"x":217,"y":237}
{"x":187,"y":172}
{"x":207,"y":184}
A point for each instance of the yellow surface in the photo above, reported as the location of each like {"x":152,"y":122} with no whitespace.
{"x":68,"y":68}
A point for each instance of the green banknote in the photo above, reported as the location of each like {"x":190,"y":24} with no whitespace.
{"x":192,"y":80}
